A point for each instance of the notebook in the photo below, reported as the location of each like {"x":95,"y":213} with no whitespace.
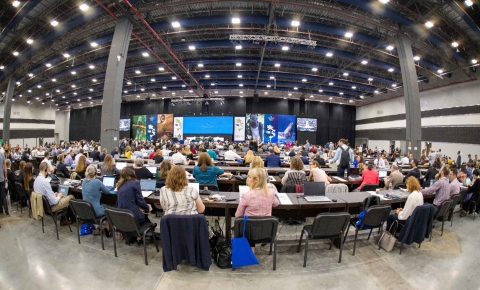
{"x":314,"y":192}
{"x":120,"y":165}
{"x":382,"y":173}
{"x":63,"y":189}
{"x":147,"y":186}
{"x":152,"y":169}
{"x":109,"y":182}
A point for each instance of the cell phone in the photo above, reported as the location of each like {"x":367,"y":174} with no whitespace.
{"x":231,"y":199}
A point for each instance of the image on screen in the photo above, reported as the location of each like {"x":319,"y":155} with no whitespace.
{"x":307,"y":124}
{"x":124,"y":125}
{"x":164,"y":125}
{"x":139,"y":127}
{"x":207,"y":125}
{"x":151,"y":127}
{"x":280,"y":128}
{"x":254,"y":126}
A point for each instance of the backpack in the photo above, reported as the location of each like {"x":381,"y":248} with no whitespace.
{"x":344,"y":158}
{"x":367,"y":202}
{"x":221,"y":249}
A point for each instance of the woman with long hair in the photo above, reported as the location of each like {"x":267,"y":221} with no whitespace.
{"x":28,"y":179}
{"x":108,"y":166}
{"x":165,"y":167}
{"x":369,"y":176}
{"x":176,"y":197}
{"x":128,"y":152}
{"x":296,"y":174}
{"x":129,"y":195}
{"x":81,"y":166}
{"x":257,"y":162}
{"x":205,"y":172}
{"x":248,"y":157}
{"x":258,"y":201}
{"x":61,"y":167}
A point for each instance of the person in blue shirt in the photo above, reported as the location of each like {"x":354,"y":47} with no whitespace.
{"x":342,"y":145}
{"x":92,"y":190}
{"x":272,"y":159}
{"x":69,"y":159}
{"x":212,"y":153}
{"x":205,"y":172}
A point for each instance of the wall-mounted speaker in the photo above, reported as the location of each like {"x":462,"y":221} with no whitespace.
{"x":147,"y":100}
{"x":302,"y":106}
{"x":255,"y":98}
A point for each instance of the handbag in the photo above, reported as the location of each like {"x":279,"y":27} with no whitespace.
{"x":242,"y":254}
{"x":387,"y":240}
{"x":221,"y":250}
{"x":86,"y":229}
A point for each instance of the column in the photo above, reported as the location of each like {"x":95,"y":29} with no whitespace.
{"x":412,"y":96}
{"x":8,"y":109}
{"x":112,"y":91}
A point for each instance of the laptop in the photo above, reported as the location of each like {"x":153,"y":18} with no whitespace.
{"x":382,"y":173}
{"x":116,"y":156}
{"x":314,"y":192}
{"x":241,"y":190}
{"x":109,"y":182}
{"x":63,"y":189}
{"x":120,"y":165}
{"x":94,"y":165}
{"x":195,"y":185}
{"x":354,"y":173}
{"x":147,"y":186}
{"x":166,"y":157}
{"x":152,"y":169}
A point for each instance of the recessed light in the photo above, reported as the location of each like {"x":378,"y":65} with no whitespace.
{"x":152,"y":80}
{"x":389,"y":47}
{"x":145,"y":54}
{"x":29,"y":91}
{"x":236,"y":20}
{"x":429,"y":24}
{"x":16,"y":4}
{"x":330,"y":83}
{"x":314,"y":69}
{"x":48,"y":64}
{"x":83,"y":7}
{"x":304,"y":80}
{"x":384,"y":1}
{"x":394,"y":85}
{"x":74,"y":86}
{"x":138,"y":72}
{"x":345,"y":74}
{"x":75,"y":95}
{"x":295,"y":23}
{"x":289,"y":94}
{"x":285,"y":47}
{"x":474,"y":61}
{"x":238,"y":64}
{"x":341,"y":94}
{"x":455,"y":44}
{"x":330,"y":98}
{"x":191,"y":47}
{"x":73,"y":72}
{"x":416,"y":58}
{"x":240,"y":85}
{"x":29,"y":41}
{"x":94,"y":80}
{"x":47,"y":94}
{"x":175,"y":24}
{"x":329,"y":54}
{"x":370,"y":79}
{"x":66,"y":55}
{"x":239,"y":76}
{"x":361,"y":97}
{"x":207,"y":76}
{"x":58,"y":91}
{"x":200,"y":65}
{"x":295,"y":88}
{"x":164,"y":87}
{"x":174,"y":78}
{"x":320,"y":91}
{"x":2,"y":67}
{"x":238,"y":47}
{"x":376,"y":92}
{"x":390,"y":69}
{"x":468,"y":3}
{"x":91,"y":90}
{"x":161,"y":68}
{"x":354,"y":87}
{"x":125,"y":91}
{"x":212,"y":84}
{"x":93,"y":44}
{"x":129,"y":83}
{"x":15,"y":53}
{"x":173,"y":93}
{"x":54,"y":80}
{"x":54,"y":23}
{"x":39,"y":86}
{"x":269,"y":86}
{"x":277,"y":65}
{"x":440,"y":71}
{"x":364,"y":61}
{"x":348,"y":34}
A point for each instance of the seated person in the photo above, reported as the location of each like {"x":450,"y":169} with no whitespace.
{"x":231,"y":155}
{"x":249,"y":158}
{"x":431,"y":173}
{"x":95,"y":154}
{"x":176,"y":197}
{"x":158,"y":156}
{"x":114,"y":151}
{"x":415,"y":172}
{"x":272,"y":159}
{"x":129,"y":195}
{"x":369,"y":176}
{"x":395,"y":177}
{"x":108,"y":166}
{"x":179,"y":157}
{"x":69,"y":161}
{"x":441,"y":189}
{"x":42,"y":185}
{"x":138,"y":152}
{"x":61,"y":167}
{"x":295,"y":175}
{"x":92,"y":190}
{"x":212,"y":153}
{"x":188,"y":153}
{"x":103,"y":155}
{"x":473,"y":193}
{"x":28,"y":180}
{"x":379,"y":162}
{"x":317,"y":174}
{"x":303,"y":158}
{"x":414,"y":199}
{"x":319,"y":159}
{"x":81,"y":167}
{"x":21,"y":173}
{"x":128,"y":152}
{"x":142,"y":172}
{"x":258,"y":201}
{"x":165,"y":167}
{"x":205,"y":172}
{"x":51,"y":168}
{"x":454,"y":183}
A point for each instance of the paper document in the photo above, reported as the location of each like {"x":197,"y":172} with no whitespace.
{"x":340,"y":179}
{"x":146,"y":193}
{"x":283,"y":198}
{"x":379,"y":195}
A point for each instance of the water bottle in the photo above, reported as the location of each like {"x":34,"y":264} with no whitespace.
{"x":390,"y":189}
{"x":345,"y":173}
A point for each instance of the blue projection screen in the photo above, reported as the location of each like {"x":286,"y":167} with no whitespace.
{"x":207,"y":125}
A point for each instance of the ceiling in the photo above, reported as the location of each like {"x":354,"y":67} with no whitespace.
{"x":333,"y":51}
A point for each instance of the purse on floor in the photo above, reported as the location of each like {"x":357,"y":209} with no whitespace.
{"x":242,"y":254}
{"x":387,"y":240}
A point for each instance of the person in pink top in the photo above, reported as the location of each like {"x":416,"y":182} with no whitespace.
{"x":369,"y":176}
{"x":258,"y":201}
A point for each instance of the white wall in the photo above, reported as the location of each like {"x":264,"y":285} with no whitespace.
{"x":451,"y":149}
{"x":62,"y":125}
{"x":381,"y":144}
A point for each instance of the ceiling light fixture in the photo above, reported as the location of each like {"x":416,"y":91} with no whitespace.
{"x":238,"y":64}
{"x":389,"y":48}
{"x":295,"y":23}
{"x":236,"y":20}
{"x":15,"y":53}
{"x":175,"y":24}
{"x":91,"y":66}
{"x":83,"y":7}
{"x":93,"y":44}
{"x":295,"y":88}
{"x":474,"y":61}
{"x":174,"y":78}
{"x":239,"y":76}
{"x":314,"y":69}
{"x":304,"y":80}
{"x":161,"y":69}
{"x":207,"y":76}
{"x":429,"y":24}
{"x":390,"y":69}
{"x":277,"y":65}
{"x":370,"y":79}
{"x":455,"y":44}
{"x":54,"y":23}
{"x":200,"y":65}
{"x":330,"y":83}
{"x":94,"y":80}
{"x":384,"y":1}
{"x":329,"y":54}
{"x":348,"y":34}
{"x":191,"y":47}
{"x":54,"y":80}
{"x":345,"y":74}
{"x":238,"y":47}
{"x":16,"y":4}
{"x":440,"y":71}
{"x":468,"y":3}
{"x":145,"y":54}
{"x":285,"y":47}
{"x":364,"y":61}
{"x":48,"y":64}
{"x":354,"y":87}
{"x":416,"y":58}
{"x":29,"y":41}
{"x":138,"y":72}
{"x":66,"y":55}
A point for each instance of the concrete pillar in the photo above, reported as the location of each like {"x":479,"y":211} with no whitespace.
{"x":112,"y":91}
{"x":412,"y":96}
{"x":8,"y":109}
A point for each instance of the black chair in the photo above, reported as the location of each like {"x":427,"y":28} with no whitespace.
{"x":473,"y":205}
{"x":84,"y":213}
{"x":414,"y":231}
{"x":223,"y":163}
{"x":260,"y":230}
{"x":455,"y":198}
{"x":369,"y":187}
{"x":374,"y":218}
{"x":12,"y":190}
{"x":22,"y":196}
{"x":124,"y":221}
{"x":60,"y":174}
{"x":325,"y":226}
{"x":443,"y":210}
{"x":280,"y":174}
{"x":400,"y":185}
{"x":54,"y":214}
{"x":209,"y":187}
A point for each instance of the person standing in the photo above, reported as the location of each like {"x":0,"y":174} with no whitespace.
{"x":344,"y":155}
{"x":459,"y":159}
{"x":3,"y":182}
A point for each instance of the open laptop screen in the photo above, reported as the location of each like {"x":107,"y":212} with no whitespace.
{"x":109,"y":181}
{"x":120,"y":165}
{"x":195,"y":185}
{"x":382,"y":173}
{"x":148,"y":184}
{"x":152,"y":169}
{"x":314,"y":188}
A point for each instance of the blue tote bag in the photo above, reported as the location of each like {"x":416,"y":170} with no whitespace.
{"x":242,"y":254}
